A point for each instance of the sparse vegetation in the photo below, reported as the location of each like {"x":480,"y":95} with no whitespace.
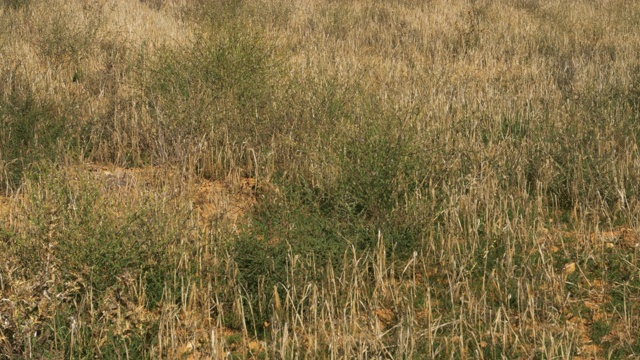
{"x":320,"y":179}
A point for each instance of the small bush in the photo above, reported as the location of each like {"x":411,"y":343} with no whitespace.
{"x":215,"y":91}
{"x":95,"y":244}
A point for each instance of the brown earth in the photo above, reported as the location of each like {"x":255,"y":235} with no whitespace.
{"x":220,"y":201}
{"x":5,"y":209}
{"x":215,"y":204}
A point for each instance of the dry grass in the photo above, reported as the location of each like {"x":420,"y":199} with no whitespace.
{"x":319,"y":179}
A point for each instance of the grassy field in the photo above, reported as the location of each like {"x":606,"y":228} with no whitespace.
{"x":280,"y":179}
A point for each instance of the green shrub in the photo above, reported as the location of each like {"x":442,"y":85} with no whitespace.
{"x":94,"y":244}
{"x":217,"y":91}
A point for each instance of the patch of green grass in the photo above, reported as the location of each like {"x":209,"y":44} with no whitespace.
{"x":16,"y":4}
{"x":599,"y":329}
{"x":375,"y":170}
{"x":31,"y":131}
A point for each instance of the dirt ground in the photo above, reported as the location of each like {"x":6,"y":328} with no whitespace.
{"x":223,"y":202}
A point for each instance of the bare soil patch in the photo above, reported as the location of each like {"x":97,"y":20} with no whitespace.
{"x":5,"y":210}
{"x":219,"y":201}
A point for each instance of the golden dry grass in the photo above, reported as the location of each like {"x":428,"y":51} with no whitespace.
{"x":319,"y":179}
